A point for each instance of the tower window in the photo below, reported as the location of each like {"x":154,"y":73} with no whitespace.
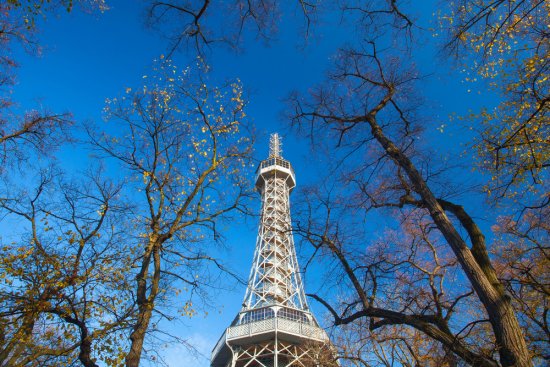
{"x":258,"y":315}
{"x":293,"y":315}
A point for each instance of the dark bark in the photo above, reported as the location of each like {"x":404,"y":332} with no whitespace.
{"x":431,"y":325}
{"x":512,"y":347}
{"x":85,"y":345}
{"x":479,"y":249}
{"x":146,"y":303}
{"x":477,"y":238}
{"x":474,"y":262}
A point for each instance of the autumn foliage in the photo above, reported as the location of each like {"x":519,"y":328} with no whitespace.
{"x":416,"y":273}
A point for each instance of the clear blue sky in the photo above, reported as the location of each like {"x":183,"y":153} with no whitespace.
{"x":90,"y":57}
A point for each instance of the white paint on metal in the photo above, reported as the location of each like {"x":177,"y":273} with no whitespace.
{"x":274,"y":326}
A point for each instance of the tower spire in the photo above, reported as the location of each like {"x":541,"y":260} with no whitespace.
{"x":274,"y":327}
{"x":274,"y":146}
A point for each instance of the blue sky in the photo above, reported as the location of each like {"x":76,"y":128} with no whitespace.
{"x":87,"y":58}
{"x":90,"y":57}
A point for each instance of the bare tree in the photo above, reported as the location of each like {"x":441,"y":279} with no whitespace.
{"x":197,"y":23}
{"x":36,"y":129}
{"x":186,"y":146}
{"x":365,"y":104}
{"x":522,"y":261}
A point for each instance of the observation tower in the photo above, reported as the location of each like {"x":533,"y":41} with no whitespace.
{"x":275,"y":327}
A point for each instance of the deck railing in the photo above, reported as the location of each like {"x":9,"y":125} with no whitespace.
{"x":276,"y":324}
{"x":271,"y":324}
{"x":276,"y":161}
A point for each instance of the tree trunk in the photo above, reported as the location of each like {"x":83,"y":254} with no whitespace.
{"x":512,"y":348}
{"x":85,"y":354}
{"x":145,"y":303}
{"x":396,"y":318}
{"x":138,"y":336}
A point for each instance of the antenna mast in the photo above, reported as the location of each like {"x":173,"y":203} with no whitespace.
{"x":274,"y":146}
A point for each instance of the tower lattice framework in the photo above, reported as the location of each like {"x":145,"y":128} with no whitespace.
{"x":275,"y":327}
{"x":275,"y":273}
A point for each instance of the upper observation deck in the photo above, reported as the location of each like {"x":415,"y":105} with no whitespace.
{"x":275,"y":166}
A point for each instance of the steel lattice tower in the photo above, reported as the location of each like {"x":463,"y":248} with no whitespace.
{"x":275,"y":327}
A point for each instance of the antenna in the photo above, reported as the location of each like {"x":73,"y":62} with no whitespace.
{"x":275,"y":146}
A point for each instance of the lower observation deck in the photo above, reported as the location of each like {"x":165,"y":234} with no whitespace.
{"x":253,"y":332}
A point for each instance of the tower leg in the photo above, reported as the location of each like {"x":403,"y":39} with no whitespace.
{"x":276,"y":352}
{"x":233,"y":360}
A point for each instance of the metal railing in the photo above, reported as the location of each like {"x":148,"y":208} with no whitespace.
{"x":277,"y":324}
{"x":275,"y":161}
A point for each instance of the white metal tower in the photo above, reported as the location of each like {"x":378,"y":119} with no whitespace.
{"x":274,"y":327}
